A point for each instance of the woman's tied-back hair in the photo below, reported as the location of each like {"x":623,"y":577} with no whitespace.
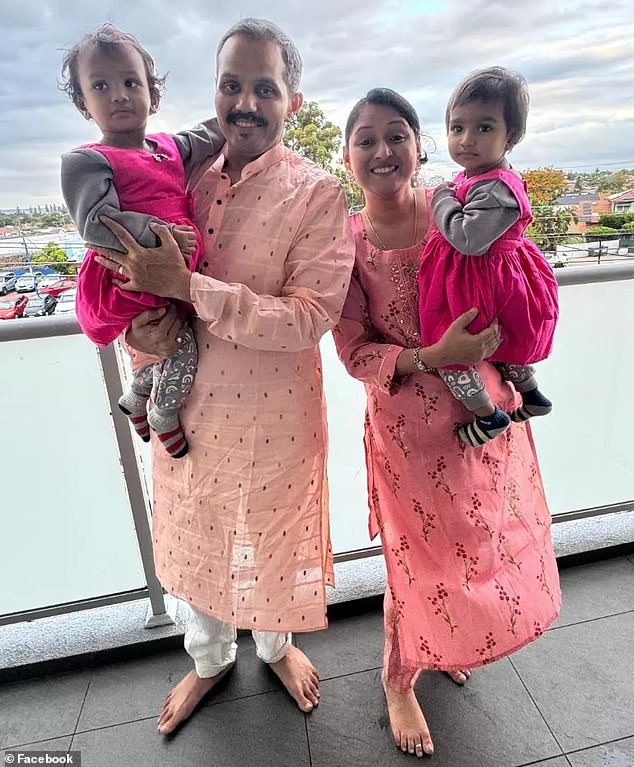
{"x":495,"y":85}
{"x":110,"y":40}
{"x":385,"y":97}
{"x":263,"y":29}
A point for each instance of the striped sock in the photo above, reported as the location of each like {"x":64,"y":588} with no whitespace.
{"x":169,"y":431}
{"x":135,"y":407}
{"x":484,"y":428}
{"x":533,"y":404}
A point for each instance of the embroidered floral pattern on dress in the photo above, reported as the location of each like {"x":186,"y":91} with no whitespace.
{"x":487,"y":653}
{"x":430,"y":402}
{"x":397,"y":432}
{"x":438,"y":477}
{"x":439,"y":603}
{"x":512,"y":605}
{"x":469,"y":564}
{"x":426,"y":518}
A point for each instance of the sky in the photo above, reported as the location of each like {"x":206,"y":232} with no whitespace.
{"x":577,"y":56}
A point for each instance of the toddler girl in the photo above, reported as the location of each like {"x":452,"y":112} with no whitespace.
{"x":135,"y":179}
{"x":479,"y":257}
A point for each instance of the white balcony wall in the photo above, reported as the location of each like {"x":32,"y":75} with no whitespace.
{"x":65,"y":521}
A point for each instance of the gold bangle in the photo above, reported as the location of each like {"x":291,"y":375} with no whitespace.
{"x":422,"y":366}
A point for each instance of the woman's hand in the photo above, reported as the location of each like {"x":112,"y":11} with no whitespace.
{"x":459,"y":347}
{"x":161,"y":271}
{"x":156,"y":331}
{"x":456,"y":347}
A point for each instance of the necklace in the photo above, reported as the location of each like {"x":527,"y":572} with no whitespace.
{"x":376,"y":234}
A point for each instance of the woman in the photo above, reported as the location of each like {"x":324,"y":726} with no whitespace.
{"x":472,"y":575}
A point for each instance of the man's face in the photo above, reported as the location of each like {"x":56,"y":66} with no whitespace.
{"x":252,"y":98}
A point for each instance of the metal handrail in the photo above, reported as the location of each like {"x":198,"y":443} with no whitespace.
{"x":52,"y":326}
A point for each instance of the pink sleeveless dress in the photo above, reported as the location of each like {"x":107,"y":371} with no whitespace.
{"x":143,"y":185}
{"x":511,"y":282}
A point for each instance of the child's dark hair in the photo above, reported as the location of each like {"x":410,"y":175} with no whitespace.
{"x":110,"y":40}
{"x":385,"y":97}
{"x":495,"y":85}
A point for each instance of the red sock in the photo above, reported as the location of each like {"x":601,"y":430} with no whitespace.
{"x":174,"y":442}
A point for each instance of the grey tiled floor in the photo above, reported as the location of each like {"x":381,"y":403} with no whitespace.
{"x":564,"y":701}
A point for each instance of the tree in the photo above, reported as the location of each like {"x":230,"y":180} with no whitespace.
{"x":310,"y":134}
{"x":548,"y":226}
{"x":545,"y":185}
{"x":54,"y":256}
{"x":629,"y":227}
{"x":602,"y":233}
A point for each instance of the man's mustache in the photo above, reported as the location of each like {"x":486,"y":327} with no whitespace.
{"x":233,"y":117}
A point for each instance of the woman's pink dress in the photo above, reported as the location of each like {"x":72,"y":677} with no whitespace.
{"x":512,"y":282}
{"x":466,"y":532}
{"x":144,"y":184}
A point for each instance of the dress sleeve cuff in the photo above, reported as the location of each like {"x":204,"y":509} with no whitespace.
{"x":387,"y":371}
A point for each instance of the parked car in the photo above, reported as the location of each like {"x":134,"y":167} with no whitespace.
{"x":556,"y":259}
{"x":47,"y":280}
{"x":11,"y":309}
{"x":28,"y":282}
{"x":60,"y":285}
{"x":7,"y":282}
{"x":66,"y":303}
{"x":40,"y":306}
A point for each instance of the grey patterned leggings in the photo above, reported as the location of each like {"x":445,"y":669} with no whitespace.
{"x":467,"y":386}
{"x":170,"y":380}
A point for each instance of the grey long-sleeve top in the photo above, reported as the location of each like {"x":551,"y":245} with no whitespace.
{"x":89,"y":192}
{"x":489,"y":210}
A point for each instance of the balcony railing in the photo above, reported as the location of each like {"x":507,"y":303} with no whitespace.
{"x":76,"y":516}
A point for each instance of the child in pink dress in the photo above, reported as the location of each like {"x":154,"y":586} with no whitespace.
{"x":135,"y":179}
{"x":479,"y":257}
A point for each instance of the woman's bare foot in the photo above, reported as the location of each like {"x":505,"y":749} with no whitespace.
{"x":459,"y":677}
{"x":181,"y":702}
{"x":300,"y":678}
{"x":409,"y":727}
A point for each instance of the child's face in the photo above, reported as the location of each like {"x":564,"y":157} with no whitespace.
{"x":478,"y":138}
{"x":115,"y":90}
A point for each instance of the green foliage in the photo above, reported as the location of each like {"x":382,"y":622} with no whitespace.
{"x":37,"y":218}
{"x":604,"y":180}
{"x":310,"y":134}
{"x":352,"y":190}
{"x":615,"y":220}
{"x":601,"y":232}
{"x":629,"y":227}
{"x":54,"y":256}
{"x":548,"y":226}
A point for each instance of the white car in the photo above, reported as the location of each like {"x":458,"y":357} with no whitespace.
{"x":66,"y":303}
{"x":25,"y":283}
{"x":556,"y":259}
{"x":48,"y":280}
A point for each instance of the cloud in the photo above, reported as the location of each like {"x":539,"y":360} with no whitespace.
{"x":578,"y":59}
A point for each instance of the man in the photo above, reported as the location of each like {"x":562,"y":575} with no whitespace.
{"x":240,"y":524}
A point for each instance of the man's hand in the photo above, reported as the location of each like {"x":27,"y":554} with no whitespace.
{"x":185,"y":236}
{"x":160,"y":270}
{"x":156,"y":331}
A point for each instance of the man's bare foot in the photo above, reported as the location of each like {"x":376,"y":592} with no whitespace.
{"x":181,"y":702}
{"x":459,"y":677}
{"x":409,"y":727}
{"x":300,"y":678}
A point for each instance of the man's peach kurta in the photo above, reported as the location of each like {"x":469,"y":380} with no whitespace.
{"x":241,"y":523}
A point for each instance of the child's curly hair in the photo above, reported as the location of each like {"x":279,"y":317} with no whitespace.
{"x":110,"y":40}
{"x":499,"y":86}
